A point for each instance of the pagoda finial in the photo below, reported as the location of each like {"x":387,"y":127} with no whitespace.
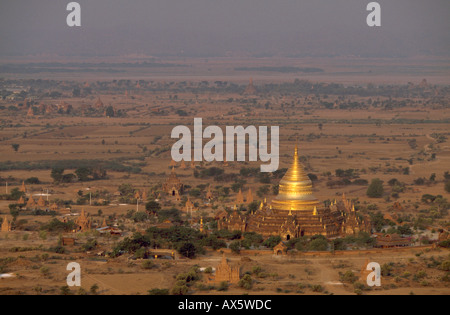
{"x":315,"y":211}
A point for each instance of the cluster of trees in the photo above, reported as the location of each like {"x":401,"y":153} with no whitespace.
{"x":209,"y":172}
{"x":190,"y":242}
{"x":116,"y":165}
{"x":346,"y":182}
{"x":14,"y":194}
{"x":58,"y":227}
{"x":187,"y":241}
{"x":83,"y":174}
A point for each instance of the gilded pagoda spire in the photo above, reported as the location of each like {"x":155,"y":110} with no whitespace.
{"x":315,"y":211}
{"x":295,"y":189}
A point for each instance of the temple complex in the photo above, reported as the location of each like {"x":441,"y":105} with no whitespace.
{"x":250,"y":89}
{"x":227,"y":273}
{"x":249,"y":196}
{"x":280,"y":249}
{"x":99,"y":103}
{"x":296,"y":212}
{"x":144,"y":195}
{"x":41,"y":202}
{"x":189,"y":207}
{"x":233,"y":222}
{"x":239,"y":198}
{"x":6,"y":225}
{"x":173,"y":185}
{"x":30,"y":112}
{"x":392,"y":240}
{"x":84,"y":222}
{"x":31,"y":204}
{"x":23,"y":188}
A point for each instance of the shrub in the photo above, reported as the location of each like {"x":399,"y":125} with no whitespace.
{"x":272,"y":241}
{"x":148,"y":265}
{"x":90,"y":245}
{"x":65,"y":290}
{"x":349,"y":277}
{"x":246,"y":282}
{"x":158,"y":292}
{"x":45,"y":271}
{"x":223,"y":286}
{"x":447,"y":186}
{"x":317,"y":288}
{"x":179,"y":289}
{"x":208,"y":270}
{"x":235,"y":247}
{"x":445,"y":265}
{"x":318,"y":245}
{"x":94,"y":288}
{"x":375,"y":189}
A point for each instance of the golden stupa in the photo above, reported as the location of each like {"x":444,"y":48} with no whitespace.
{"x":296,"y":212}
{"x":295,"y":190}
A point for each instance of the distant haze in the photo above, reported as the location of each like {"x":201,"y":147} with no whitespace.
{"x":225,"y":27}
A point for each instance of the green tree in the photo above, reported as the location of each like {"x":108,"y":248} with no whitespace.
{"x":110,"y":111}
{"x":158,"y":292}
{"x":16,"y":194}
{"x":57,"y":175}
{"x":235,"y":247}
{"x":68,"y":178}
{"x":15,"y":147}
{"x":32,"y":181}
{"x":94,"y":288}
{"x":65,"y":290}
{"x":246,"y":282}
{"x":188,"y":250}
{"x":376,"y":189}
{"x":272,"y":241}
{"x":447,"y":186}
{"x":318,"y":244}
{"x":13,"y":211}
{"x":83,"y":174}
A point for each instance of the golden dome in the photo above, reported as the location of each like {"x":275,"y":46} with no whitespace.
{"x":295,"y":189}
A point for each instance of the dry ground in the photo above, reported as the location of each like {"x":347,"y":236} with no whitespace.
{"x":367,"y":140}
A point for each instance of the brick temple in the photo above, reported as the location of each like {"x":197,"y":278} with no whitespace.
{"x":296,"y":212}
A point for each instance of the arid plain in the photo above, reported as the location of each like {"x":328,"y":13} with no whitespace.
{"x":352,"y":121}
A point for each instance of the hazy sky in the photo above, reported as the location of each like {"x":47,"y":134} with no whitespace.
{"x":216,"y":27}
